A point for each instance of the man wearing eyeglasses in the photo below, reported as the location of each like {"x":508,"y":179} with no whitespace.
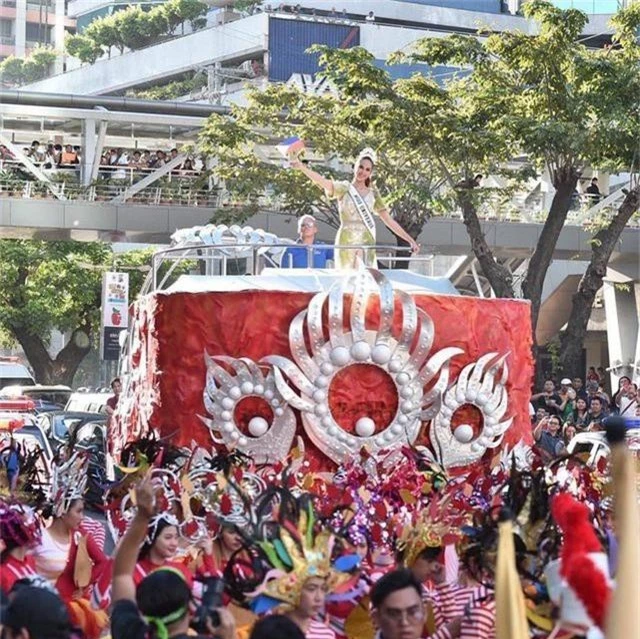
{"x":398,"y":611}
{"x":302,"y":257}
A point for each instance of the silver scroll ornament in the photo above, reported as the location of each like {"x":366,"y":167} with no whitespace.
{"x":484,"y":387}
{"x":411,"y":370}
{"x":266,"y":442}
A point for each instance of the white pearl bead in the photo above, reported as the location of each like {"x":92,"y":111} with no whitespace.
{"x":321,"y":381}
{"x":279,"y":411}
{"x":339,"y":356}
{"x":319,"y":396}
{"x":227,"y":403}
{"x":396,"y":429}
{"x":321,"y":410}
{"x":360,"y":351}
{"x":388,"y":435}
{"x":243,"y":441}
{"x":275,"y":402}
{"x":463,"y":433}
{"x":226,"y":415}
{"x":471,"y":395}
{"x":228,"y":427}
{"x":327,"y":421}
{"x":258,"y":389}
{"x":406,"y":406}
{"x":379,"y":441}
{"x":365,"y":427}
{"x":326,"y":368}
{"x":258,"y":426}
{"x":332,"y":430}
{"x":235,"y":435}
{"x":246,"y":388}
{"x":402,"y":378}
{"x":268,"y":394}
{"x":402,"y":419}
{"x":381,"y":354}
{"x":395,"y":365}
{"x":406,"y":392}
{"x":235,"y":392}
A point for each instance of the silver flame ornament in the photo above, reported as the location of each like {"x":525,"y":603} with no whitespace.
{"x":265,"y":442}
{"x":410,"y":369}
{"x":476,"y":386}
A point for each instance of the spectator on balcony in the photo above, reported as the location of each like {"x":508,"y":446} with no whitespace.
{"x":371,"y":17}
{"x":158,"y":160}
{"x":174,"y":154}
{"x":69,"y":156}
{"x":593,"y":191}
{"x":135,"y":162}
{"x":188,"y":168}
{"x":57,"y":154}
{"x":5,"y":154}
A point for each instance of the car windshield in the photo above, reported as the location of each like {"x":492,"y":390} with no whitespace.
{"x":62,"y":425}
{"x":58,"y":397}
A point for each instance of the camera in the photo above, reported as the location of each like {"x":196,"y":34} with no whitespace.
{"x":211,"y":601}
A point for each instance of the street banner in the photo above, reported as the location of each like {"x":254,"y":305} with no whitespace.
{"x":114,"y":313}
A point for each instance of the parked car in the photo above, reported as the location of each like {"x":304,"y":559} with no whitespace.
{"x":13,"y":373}
{"x":31,"y":439}
{"x":57,"y":424}
{"x":45,"y":398}
{"x":88,"y":402}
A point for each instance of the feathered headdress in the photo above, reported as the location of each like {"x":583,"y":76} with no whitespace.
{"x":19,"y":524}
{"x":69,"y":482}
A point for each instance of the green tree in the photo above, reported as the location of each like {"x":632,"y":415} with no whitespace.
{"x":57,"y":285}
{"x":83,"y":47}
{"x":37,"y":65}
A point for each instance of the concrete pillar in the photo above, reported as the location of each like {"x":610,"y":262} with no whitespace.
{"x":89,"y":143}
{"x":622,"y":328}
{"x":58,"y":36}
{"x":21,"y":28}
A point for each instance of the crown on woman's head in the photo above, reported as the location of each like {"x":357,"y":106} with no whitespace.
{"x":368,"y":153}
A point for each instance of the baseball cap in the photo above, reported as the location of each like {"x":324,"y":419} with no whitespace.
{"x":39,"y":611}
{"x":565,"y":382}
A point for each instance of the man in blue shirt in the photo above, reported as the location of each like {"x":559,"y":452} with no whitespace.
{"x":302,"y":257}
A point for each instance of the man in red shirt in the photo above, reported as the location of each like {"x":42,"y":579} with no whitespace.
{"x":112,"y":402}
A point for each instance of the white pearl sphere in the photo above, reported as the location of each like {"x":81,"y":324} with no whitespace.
{"x":332,"y":430}
{"x":258,"y":426}
{"x":235,"y":392}
{"x":481,"y":399}
{"x":463,"y":433}
{"x":406,"y":406}
{"x":243,"y":441}
{"x":246,"y":388}
{"x":365,"y":427}
{"x":402,"y":419}
{"x":402,"y":378}
{"x":471,"y":395}
{"x":380,"y":441}
{"x":489,"y":431}
{"x":339,"y":356}
{"x":490,"y":421}
{"x":321,"y":381}
{"x":227,"y":403}
{"x":360,"y":351}
{"x":396,"y":429}
{"x":395,"y":365}
{"x":319,"y":396}
{"x":381,"y":354}
{"x":327,"y":421}
{"x":226,"y":415}
{"x":228,"y":427}
{"x":235,"y":435}
{"x":275,"y":402}
{"x":258,"y":389}
{"x":321,"y":410}
{"x":279,"y":411}
{"x":475,"y":447}
{"x":406,"y":392}
{"x":326,"y":368}
{"x":268,"y":394}
{"x":388,"y":435}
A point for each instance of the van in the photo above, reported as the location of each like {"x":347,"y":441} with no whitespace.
{"x":88,"y":403}
{"x":13,"y":373}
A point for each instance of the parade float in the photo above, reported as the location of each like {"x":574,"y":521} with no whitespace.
{"x":333,"y":363}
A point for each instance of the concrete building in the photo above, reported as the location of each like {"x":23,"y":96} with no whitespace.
{"x":25,"y":24}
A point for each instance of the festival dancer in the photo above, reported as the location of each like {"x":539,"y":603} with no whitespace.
{"x":20,"y":532}
{"x":358,"y":202}
{"x":65,"y":556}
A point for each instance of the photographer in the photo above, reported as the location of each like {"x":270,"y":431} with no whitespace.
{"x":159,"y":607}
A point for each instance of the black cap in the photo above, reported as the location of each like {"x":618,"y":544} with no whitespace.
{"x":39,"y":611}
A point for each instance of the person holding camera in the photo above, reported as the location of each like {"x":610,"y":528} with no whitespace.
{"x":159,"y":606}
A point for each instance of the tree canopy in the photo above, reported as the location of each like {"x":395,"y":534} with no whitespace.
{"x":36,"y":66}
{"x":47,"y":285}
{"x":134,"y":28}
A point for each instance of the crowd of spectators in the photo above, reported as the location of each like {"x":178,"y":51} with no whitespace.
{"x":113,"y":163}
{"x":559,"y":414}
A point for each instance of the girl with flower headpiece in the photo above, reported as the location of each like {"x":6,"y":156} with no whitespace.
{"x":358,"y":202}
{"x":66,"y":556}
{"x":19,"y":531}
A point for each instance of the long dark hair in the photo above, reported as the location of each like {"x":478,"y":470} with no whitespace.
{"x":147,"y":546}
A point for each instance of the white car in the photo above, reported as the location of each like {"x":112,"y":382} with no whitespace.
{"x":595,"y":446}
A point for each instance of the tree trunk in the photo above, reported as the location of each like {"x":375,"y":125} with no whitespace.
{"x":603,"y":243}
{"x":60,"y":370}
{"x":499,"y":276}
{"x":565,"y":182}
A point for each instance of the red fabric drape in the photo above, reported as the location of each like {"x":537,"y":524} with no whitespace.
{"x":175,"y":330}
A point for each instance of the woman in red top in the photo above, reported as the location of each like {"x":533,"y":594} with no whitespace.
{"x":19,"y":531}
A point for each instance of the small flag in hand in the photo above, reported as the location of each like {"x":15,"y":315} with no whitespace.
{"x":291,"y":147}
